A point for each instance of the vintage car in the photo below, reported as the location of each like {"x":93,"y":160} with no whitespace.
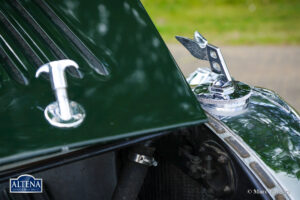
{"x":93,"y":106}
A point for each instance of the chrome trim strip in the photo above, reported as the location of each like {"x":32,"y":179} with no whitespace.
{"x":262,"y":175}
{"x":238,"y":147}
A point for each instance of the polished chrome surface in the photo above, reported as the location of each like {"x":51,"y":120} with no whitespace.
{"x":142,"y":159}
{"x":62,"y":113}
{"x":224,"y":105}
{"x":200,"y":49}
{"x":219,"y":101}
{"x":201,"y":76}
{"x":215,"y":90}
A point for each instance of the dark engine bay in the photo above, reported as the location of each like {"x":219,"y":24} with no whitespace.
{"x":190,"y":164}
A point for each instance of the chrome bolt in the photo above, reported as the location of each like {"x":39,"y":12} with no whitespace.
{"x":227,"y":189}
{"x":222,"y":159}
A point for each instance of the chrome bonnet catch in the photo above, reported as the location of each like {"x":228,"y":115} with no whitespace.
{"x":215,"y":89}
{"x":62,"y":113}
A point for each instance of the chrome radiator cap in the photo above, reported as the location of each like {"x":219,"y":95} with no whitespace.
{"x":215,"y":89}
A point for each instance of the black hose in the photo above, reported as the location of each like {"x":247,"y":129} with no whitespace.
{"x":132,"y":175}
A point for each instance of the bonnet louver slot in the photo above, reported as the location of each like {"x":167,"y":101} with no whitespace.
{"x":91,"y":58}
{"x":30,"y":20}
{"x":21,"y":41}
{"x":23,"y":37}
{"x":10,"y":67}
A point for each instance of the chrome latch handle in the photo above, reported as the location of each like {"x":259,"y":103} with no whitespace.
{"x":62,"y":113}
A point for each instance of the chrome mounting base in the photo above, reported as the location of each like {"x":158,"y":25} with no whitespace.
{"x":52,"y":114}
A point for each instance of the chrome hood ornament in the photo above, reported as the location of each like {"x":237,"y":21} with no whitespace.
{"x":62,"y":113}
{"x":221,"y":96}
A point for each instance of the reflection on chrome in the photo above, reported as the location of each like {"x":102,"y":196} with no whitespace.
{"x":216,"y":91}
{"x":62,"y":113}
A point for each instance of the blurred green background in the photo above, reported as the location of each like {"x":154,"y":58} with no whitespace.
{"x":229,"y":22}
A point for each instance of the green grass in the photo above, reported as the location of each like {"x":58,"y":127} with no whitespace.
{"x":233,"y":22}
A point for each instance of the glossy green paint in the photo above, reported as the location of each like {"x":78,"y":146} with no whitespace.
{"x":145,"y":91}
{"x":272,"y":129}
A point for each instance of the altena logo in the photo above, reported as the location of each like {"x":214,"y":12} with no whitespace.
{"x":26,"y":184}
